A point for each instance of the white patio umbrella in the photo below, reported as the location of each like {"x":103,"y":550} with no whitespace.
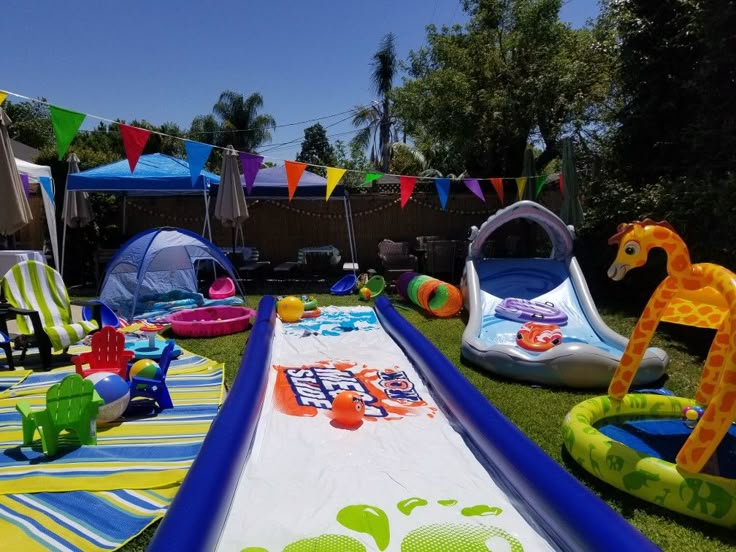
{"x":230,"y":207}
{"x":15,"y":212}
{"x":77,"y":211}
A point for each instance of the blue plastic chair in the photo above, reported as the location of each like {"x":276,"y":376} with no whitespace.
{"x":5,"y":346}
{"x":109,"y":318}
{"x":153,"y":388}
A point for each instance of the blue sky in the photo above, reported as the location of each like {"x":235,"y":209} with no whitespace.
{"x":168,"y":60}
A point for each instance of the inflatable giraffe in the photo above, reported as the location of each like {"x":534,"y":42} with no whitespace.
{"x":717,"y":387}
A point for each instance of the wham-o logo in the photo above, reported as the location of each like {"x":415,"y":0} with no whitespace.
{"x":388,"y":394}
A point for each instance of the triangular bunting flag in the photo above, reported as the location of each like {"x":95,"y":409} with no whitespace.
{"x":540,"y":184}
{"x":3,"y":95}
{"x":197,"y":155}
{"x":562,"y":187}
{"x":251,"y":164}
{"x":443,"y":190}
{"x":407,"y":184}
{"x":474,"y":186}
{"x":294,"y":172}
{"x":134,"y":140}
{"x":520,"y":185}
{"x":66,"y":124}
{"x":333,"y":177}
{"x":45,"y":182}
{"x":26,"y":184}
{"x":498,"y":186}
{"x":371,"y":177}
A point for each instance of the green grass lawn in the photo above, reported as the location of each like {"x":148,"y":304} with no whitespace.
{"x":539,"y":412}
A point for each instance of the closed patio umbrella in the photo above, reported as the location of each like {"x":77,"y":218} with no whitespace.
{"x":529,"y":172}
{"x":15,"y":212}
{"x":230,"y":207}
{"x":77,"y":212}
{"x":571,"y":211}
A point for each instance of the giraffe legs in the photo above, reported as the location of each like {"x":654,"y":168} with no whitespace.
{"x":640,"y":338}
{"x":713,"y":365}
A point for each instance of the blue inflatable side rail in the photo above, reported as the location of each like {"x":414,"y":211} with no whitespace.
{"x":196,"y":516}
{"x":572,"y":516}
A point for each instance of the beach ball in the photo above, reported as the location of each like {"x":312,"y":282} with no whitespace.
{"x":365,"y":293}
{"x":145,"y":368}
{"x":290,"y":309}
{"x":348,"y":409}
{"x":114,"y":391}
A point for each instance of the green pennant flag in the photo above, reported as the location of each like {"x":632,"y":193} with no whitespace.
{"x":371,"y":176}
{"x":540,"y":184}
{"x":66,"y":124}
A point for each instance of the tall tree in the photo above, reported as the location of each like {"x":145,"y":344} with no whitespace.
{"x":316,"y":148}
{"x":477,"y":95}
{"x":31,"y":123}
{"x":378,"y":124}
{"x":241,"y":124}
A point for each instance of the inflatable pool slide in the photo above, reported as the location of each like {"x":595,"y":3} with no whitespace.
{"x":432,"y":465}
{"x":533,"y":319}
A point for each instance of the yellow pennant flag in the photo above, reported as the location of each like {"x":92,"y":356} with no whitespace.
{"x":3,"y":95}
{"x":333,"y":178}
{"x":520,"y":185}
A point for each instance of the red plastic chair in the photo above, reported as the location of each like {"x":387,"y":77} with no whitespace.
{"x":108,"y":354}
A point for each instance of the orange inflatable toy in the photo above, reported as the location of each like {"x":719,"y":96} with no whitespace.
{"x":348,"y":409}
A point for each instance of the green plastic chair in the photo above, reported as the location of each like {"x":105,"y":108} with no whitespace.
{"x":71,"y":404}
{"x":376,"y":285}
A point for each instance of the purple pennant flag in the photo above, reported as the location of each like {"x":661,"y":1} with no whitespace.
{"x":251,"y":165}
{"x":443,"y":190}
{"x":474,"y":186}
{"x":26,"y":183}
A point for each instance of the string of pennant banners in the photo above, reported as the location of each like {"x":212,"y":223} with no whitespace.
{"x":66,"y":124}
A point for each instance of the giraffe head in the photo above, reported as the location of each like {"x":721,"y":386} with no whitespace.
{"x":635,"y":240}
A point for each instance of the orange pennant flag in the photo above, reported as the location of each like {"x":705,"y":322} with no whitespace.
{"x":333,"y":178}
{"x":520,"y":185}
{"x":498,"y":186}
{"x":407,"y":184}
{"x":134,"y":140}
{"x":294,"y":172}
{"x":3,"y":95}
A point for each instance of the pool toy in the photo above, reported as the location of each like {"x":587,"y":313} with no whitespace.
{"x":365,"y":294}
{"x":345,"y":285}
{"x":681,"y":464}
{"x":375,"y":284}
{"x":348,"y":409}
{"x":145,"y":368}
{"x":290,"y":309}
{"x":108,"y":354}
{"x":210,"y":321}
{"x":108,"y":316}
{"x":222,"y":288}
{"x":534,"y":336}
{"x":439,"y":298}
{"x":114,"y":392}
{"x":310,"y":302}
{"x":435,"y":421}
{"x":313,"y":313}
{"x":496,"y":289}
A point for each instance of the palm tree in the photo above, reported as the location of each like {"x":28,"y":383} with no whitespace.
{"x":379,"y":126}
{"x":241,"y":124}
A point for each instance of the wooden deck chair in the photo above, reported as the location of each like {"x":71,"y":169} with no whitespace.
{"x":71,"y":404}
{"x":39,"y":299}
{"x":108,"y":354}
{"x":154,"y":388}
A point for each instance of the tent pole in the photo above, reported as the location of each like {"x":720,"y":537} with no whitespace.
{"x":63,"y":236}
{"x":350,"y":231}
{"x":207,"y":228}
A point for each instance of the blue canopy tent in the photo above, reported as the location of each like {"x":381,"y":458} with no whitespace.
{"x":155,"y":174}
{"x":271,"y":183}
{"x":156,"y":262}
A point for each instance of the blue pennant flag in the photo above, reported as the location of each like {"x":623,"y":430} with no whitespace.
{"x":443,"y":190}
{"x":45,"y":181}
{"x":197,"y":155}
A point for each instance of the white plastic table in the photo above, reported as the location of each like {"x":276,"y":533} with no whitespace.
{"x":11,"y":257}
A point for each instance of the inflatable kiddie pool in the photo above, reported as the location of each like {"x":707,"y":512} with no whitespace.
{"x":211,"y":321}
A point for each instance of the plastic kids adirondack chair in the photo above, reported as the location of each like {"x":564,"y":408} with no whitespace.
{"x":108,"y":354}
{"x":154,"y":388}
{"x":71,"y":404}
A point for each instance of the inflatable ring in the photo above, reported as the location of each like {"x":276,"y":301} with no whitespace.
{"x":312,"y":313}
{"x":309,"y":304}
{"x":537,"y":337}
{"x":702,"y":496}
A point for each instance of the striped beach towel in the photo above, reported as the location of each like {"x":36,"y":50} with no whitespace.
{"x":99,"y":497}
{"x":38,"y":287}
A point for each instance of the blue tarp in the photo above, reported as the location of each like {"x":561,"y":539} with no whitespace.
{"x":153,"y":173}
{"x":154,"y":263}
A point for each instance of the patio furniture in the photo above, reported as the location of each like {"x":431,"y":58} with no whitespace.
{"x":38,"y":297}
{"x":108,"y":354}
{"x":152,"y":388}
{"x":71,"y":404}
{"x":5,"y":346}
{"x":396,"y":258}
{"x":440,"y":258}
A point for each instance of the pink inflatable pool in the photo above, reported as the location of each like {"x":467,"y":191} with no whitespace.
{"x":211,"y":321}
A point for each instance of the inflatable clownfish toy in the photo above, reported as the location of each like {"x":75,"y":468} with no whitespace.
{"x":538,"y":337}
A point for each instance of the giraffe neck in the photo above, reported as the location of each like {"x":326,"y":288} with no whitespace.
{"x":678,"y":256}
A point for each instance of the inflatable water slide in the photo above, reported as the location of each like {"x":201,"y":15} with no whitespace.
{"x":534,"y":319}
{"x":431,"y":464}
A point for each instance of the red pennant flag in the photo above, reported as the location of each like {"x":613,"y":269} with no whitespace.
{"x":134,"y":140}
{"x":498,"y":186}
{"x":562,"y":187}
{"x":407,"y":188}
{"x":294,"y":172}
